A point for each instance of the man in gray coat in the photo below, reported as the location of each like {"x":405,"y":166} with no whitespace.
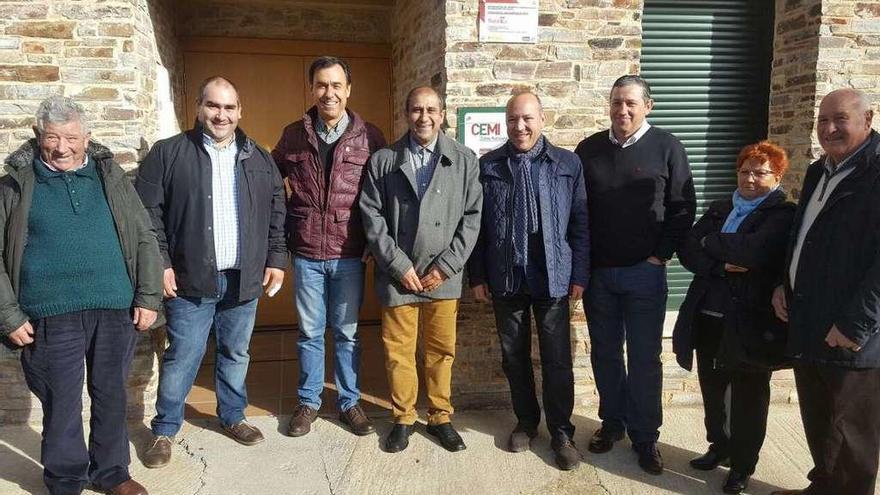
{"x":421,"y":204}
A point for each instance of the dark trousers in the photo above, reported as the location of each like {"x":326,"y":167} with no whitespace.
{"x":749,"y":400}
{"x":840,"y":408}
{"x":513,"y":321}
{"x":628,"y":304}
{"x":95,"y":345}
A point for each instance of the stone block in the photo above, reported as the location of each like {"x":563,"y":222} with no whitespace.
{"x":515,"y":70}
{"x":42,"y":29}
{"x":555,"y":70}
{"x":99,"y":93}
{"x":29,"y":73}
{"x":10,"y":43}
{"x":90,"y":52}
{"x":522,"y":52}
{"x":557,"y":89}
{"x":116,"y":29}
{"x":33,"y":10}
{"x":869,"y":10}
{"x":568,"y":121}
{"x":77,"y":10}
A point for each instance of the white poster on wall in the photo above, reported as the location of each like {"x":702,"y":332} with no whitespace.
{"x":482,"y":129}
{"x":509,"y":21}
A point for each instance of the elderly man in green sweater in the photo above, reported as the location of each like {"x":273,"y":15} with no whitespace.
{"x":80,"y":273}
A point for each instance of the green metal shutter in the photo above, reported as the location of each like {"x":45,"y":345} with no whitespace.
{"x":708,"y":65}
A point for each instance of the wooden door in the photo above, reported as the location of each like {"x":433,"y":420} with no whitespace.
{"x":272,"y":80}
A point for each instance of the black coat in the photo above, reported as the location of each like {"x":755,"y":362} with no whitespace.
{"x":174,"y":183}
{"x":753,"y":339}
{"x":838,"y":278}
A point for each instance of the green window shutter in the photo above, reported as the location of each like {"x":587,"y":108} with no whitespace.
{"x":708,"y":64}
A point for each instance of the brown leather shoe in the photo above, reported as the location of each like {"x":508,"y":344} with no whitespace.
{"x":244,"y":433}
{"x":301,"y":421}
{"x":129,"y":487}
{"x":159,"y":453}
{"x":787,"y":492}
{"x":357,"y":420}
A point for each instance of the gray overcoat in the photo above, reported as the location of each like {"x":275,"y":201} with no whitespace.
{"x":403,"y":232}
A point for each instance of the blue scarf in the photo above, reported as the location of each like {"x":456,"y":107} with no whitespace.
{"x":525,"y":204}
{"x":741,"y":209}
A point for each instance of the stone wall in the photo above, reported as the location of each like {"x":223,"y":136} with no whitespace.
{"x":284,"y":19}
{"x":793,"y":83}
{"x":418,"y":47}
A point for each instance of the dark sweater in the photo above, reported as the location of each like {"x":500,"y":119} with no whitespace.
{"x":641,"y":198}
{"x":73,"y":260}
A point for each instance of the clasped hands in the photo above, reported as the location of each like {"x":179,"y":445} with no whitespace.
{"x":428,"y":282}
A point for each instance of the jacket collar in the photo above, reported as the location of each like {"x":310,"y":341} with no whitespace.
{"x":444,"y":148}
{"x":245,"y":144}
{"x":356,"y":124}
{"x":552,"y":152}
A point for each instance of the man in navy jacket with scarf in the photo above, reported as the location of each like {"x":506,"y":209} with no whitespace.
{"x":533,"y":255}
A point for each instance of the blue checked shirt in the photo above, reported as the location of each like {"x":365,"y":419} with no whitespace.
{"x":225,"y":178}
{"x":423,"y":160}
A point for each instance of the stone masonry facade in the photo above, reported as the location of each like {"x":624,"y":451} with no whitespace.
{"x":116,"y":56}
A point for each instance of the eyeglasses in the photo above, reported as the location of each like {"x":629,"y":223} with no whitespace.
{"x":757,"y":174}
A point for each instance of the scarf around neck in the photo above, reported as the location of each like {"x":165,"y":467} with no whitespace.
{"x":742,"y":207}
{"x":525,"y":204}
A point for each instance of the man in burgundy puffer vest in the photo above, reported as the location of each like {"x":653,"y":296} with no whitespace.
{"x":322,"y":157}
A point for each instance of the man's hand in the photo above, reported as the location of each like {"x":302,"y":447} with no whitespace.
{"x":655,"y":261}
{"x":481,"y":293}
{"x":780,"y":305}
{"x":575,"y":291}
{"x":143,"y":318}
{"x":411,"y":281}
{"x":273,"y":278}
{"x":432,"y":279}
{"x":169,"y":283}
{"x":22,"y":335}
{"x":730,"y":267}
{"x":836,"y":339}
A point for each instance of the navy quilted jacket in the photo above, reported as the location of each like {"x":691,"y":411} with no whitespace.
{"x":562,"y":199}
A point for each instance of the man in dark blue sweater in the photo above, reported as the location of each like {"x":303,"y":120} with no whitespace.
{"x":641,"y":203}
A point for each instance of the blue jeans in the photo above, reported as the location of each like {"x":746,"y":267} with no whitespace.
{"x":628,"y":304}
{"x":328,"y":293}
{"x":190,"y":321}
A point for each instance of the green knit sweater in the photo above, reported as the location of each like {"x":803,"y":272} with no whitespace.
{"x":72,"y":259}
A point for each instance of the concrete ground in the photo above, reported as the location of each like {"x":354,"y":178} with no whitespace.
{"x":332,"y":461}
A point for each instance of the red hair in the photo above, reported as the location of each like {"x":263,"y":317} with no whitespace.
{"x":765,"y":151}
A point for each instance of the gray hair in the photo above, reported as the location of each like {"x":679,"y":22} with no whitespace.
{"x":629,"y":80}
{"x":60,"y":110}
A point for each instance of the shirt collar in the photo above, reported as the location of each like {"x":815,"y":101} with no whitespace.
{"x":53,"y":169}
{"x":338,"y":129}
{"x":845,"y":164}
{"x":415,"y":146}
{"x":632,"y":139}
{"x":209,"y":142}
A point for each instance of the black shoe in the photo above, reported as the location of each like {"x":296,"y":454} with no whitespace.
{"x":710,"y":460}
{"x":449,"y":438}
{"x":603,"y":440}
{"x":398,"y":439}
{"x":735,"y":482}
{"x":567,"y":455}
{"x":649,"y":457}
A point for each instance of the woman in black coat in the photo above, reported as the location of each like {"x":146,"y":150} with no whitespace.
{"x":736,"y":251}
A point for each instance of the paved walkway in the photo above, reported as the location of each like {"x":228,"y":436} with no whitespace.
{"x":332,"y":461}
